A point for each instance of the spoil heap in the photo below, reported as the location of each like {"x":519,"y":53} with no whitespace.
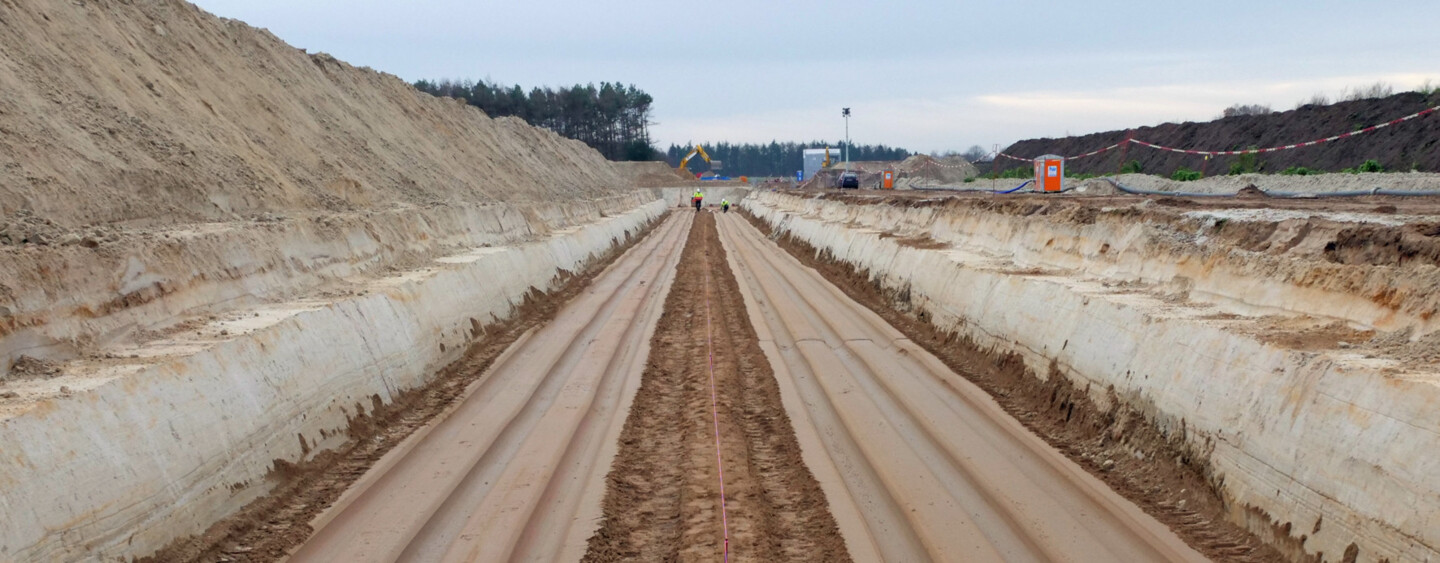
{"x":159,"y":113}
{"x":918,"y":171}
{"x":653,"y":174}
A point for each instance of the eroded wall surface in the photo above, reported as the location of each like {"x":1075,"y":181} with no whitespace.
{"x":161,"y":447}
{"x":1326,"y":448}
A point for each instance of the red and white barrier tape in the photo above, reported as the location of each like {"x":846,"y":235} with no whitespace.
{"x":1415,"y":115}
{"x":1093,"y":153}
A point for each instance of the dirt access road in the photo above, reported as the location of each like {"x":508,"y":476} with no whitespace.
{"x":917,"y":463}
{"x":516,"y":469}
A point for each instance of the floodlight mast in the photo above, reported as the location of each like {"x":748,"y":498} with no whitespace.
{"x":845,"y":112}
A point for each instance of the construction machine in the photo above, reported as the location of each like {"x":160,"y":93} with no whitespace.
{"x":697,"y":150}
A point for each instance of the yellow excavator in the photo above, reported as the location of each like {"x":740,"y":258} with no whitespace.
{"x":686,"y":161}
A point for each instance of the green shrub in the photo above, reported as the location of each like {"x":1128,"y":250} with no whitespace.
{"x":1183,"y":174}
{"x":1132,"y":167}
{"x":970,"y":179}
{"x":1300,"y":171}
{"x":1245,"y":164}
{"x":1371,"y":165}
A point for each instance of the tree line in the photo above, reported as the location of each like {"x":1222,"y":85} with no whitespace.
{"x":775,"y":158}
{"x":614,"y":119}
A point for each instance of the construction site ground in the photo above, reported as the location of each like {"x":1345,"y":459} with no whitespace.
{"x":1383,"y":251}
{"x":841,"y":437}
{"x":1202,"y":353}
{"x":259,"y":304}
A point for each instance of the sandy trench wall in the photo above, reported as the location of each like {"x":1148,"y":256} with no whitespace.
{"x":62,"y":301}
{"x":1126,"y":251}
{"x":122,"y":469}
{"x":1322,"y":442}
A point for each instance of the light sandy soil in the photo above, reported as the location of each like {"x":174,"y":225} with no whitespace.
{"x":160,"y":113}
{"x":515,"y":469}
{"x":269,"y":528}
{"x":663,"y":497}
{"x":1379,"y":251}
{"x":918,"y":463}
{"x":652,"y":174}
{"x":161,"y":166}
{"x":1320,"y":183}
{"x":841,"y":438}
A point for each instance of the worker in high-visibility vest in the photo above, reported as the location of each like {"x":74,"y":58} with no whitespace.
{"x":696,"y":199}
{"x":725,"y":205}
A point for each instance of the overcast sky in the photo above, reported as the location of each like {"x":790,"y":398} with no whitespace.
{"x":923,"y":75}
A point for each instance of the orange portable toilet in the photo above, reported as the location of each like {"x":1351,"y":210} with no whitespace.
{"x":888,"y":180}
{"x":1049,"y":171}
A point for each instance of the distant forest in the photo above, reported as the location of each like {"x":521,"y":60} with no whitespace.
{"x":775,"y":158}
{"x":613,"y":119}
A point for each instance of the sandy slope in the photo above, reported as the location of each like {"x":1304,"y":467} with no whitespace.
{"x":160,"y":112}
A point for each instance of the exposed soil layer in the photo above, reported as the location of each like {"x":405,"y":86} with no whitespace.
{"x":663,"y":492}
{"x":1387,"y":246}
{"x":1380,"y":250}
{"x":1161,"y":475}
{"x":1401,"y":147}
{"x":268,"y":528}
{"x":1053,"y":204}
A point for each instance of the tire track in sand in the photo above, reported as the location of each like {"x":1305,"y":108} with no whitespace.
{"x":918,"y":463}
{"x":662,"y":501}
{"x":514,"y":469}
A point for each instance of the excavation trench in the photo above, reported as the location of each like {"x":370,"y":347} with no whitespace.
{"x":1167,"y":480}
{"x":271,"y":527}
{"x":663,"y":492}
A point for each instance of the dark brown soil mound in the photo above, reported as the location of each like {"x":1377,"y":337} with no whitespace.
{"x":1412,"y":144}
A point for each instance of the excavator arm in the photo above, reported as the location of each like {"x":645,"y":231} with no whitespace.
{"x":698,"y":150}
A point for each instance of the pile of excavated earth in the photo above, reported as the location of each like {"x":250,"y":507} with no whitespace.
{"x":653,"y":174}
{"x":918,"y":171}
{"x":258,"y":304}
{"x":1406,"y":146}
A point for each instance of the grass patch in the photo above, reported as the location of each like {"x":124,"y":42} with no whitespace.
{"x":1183,"y":174}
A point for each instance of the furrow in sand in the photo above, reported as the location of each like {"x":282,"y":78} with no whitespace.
{"x":508,"y":472}
{"x":663,"y":498}
{"x":917,"y":463}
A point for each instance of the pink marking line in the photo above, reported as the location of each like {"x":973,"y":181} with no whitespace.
{"x":715,"y":412}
